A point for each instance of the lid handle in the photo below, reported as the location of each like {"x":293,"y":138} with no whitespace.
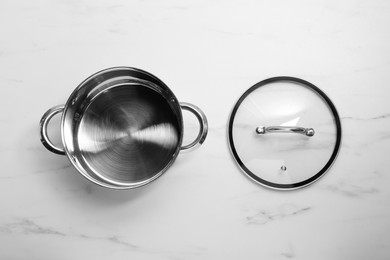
{"x":260,"y":130}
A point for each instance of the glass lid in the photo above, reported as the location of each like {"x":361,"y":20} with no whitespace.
{"x":284,"y":133}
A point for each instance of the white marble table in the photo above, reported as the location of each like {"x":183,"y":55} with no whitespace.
{"x":208,"y":53}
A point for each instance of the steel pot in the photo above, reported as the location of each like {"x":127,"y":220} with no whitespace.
{"x":122,"y":128}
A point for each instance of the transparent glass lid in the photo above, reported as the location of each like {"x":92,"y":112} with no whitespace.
{"x":284,"y":133}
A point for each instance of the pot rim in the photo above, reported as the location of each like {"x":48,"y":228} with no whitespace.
{"x":70,"y":114}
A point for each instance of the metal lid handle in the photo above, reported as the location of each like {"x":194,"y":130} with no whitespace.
{"x":260,"y":130}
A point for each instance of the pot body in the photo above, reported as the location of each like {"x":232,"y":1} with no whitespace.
{"x":122,"y":128}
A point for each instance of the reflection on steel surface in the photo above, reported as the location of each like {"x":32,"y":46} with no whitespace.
{"x":128,"y":133}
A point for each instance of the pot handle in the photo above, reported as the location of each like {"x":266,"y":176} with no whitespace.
{"x":203,"y":126}
{"x":44,"y":123}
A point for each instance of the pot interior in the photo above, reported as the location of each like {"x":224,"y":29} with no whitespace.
{"x":125,"y":133}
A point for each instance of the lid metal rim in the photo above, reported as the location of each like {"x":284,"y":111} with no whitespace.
{"x":297,"y":185}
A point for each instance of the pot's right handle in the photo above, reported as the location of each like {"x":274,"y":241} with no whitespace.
{"x":44,"y":123}
{"x":203,"y":126}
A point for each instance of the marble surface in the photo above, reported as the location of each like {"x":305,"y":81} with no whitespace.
{"x":208,"y":53}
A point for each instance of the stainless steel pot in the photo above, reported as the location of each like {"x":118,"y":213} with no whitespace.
{"x":122,"y":128}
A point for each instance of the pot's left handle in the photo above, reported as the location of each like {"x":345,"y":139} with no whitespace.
{"x":203,"y":126}
{"x":44,"y":123}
